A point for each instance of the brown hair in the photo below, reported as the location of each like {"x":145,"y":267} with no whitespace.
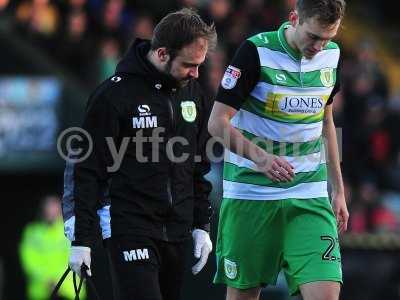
{"x":326,"y":11}
{"x":179,"y":29}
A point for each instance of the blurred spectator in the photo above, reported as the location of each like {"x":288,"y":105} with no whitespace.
{"x":3,"y":4}
{"x":110,"y":53}
{"x":236,"y":33}
{"x":216,"y":65}
{"x":112,"y":15}
{"x":76,"y":50}
{"x":77,"y":4}
{"x":39,"y":20}
{"x":364,"y":113}
{"x":40,"y":16}
{"x":143,"y":27}
{"x":219,"y":12}
{"x":264,"y":15}
{"x":113,"y":23}
{"x":368,"y":214}
{"x":44,"y":252}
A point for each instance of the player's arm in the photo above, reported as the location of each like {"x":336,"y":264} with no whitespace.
{"x":333,"y":160}
{"x":274,"y":167}
{"x":239,"y":80}
{"x":333,"y":163}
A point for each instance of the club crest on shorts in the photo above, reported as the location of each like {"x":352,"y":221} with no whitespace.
{"x":230,"y":268}
{"x":189,"y":112}
{"x":327,"y":77}
{"x":230,"y":78}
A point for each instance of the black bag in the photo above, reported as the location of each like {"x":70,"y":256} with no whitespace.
{"x":77,"y":287}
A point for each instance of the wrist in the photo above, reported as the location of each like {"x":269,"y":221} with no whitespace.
{"x":262,"y":158}
{"x":338,"y":192}
{"x":205,"y":227}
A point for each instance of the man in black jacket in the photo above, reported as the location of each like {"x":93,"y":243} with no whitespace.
{"x":148,"y":127}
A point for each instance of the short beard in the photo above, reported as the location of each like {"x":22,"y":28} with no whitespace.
{"x":168,"y":68}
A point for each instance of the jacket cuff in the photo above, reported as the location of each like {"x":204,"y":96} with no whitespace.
{"x":82,"y":243}
{"x":205,"y":227}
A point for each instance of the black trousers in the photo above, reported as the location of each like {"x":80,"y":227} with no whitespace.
{"x":147,"y":269}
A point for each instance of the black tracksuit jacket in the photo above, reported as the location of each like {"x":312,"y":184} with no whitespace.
{"x":161,"y":199}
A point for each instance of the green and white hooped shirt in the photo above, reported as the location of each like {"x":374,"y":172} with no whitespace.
{"x":280,"y":97}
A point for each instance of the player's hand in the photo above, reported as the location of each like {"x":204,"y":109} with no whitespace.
{"x":341,"y":212}
{"x":275,"y":168}
{"x":202,"y":248}
{"x":79,"y":255}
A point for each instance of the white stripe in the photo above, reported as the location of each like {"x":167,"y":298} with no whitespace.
{"x":274,"y":130}
{"x":324,"y":59}
{"x":304,"y":163}
{"x":262,"y":89}
{"x":277,"y":60}
{"x":282,"y":61}
{"x":246,"y":191}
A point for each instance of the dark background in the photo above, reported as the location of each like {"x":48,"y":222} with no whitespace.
{"x":367,"y":110}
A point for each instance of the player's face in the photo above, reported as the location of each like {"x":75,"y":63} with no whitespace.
{"x":185,"y":66}
{"x":311,"y":36}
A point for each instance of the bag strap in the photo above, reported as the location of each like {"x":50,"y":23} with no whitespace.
{"x":59,"y":283}
{"x":77,"y":287}
{"x":89,"y":281}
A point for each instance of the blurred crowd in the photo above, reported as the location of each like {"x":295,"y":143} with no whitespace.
{"x":88,"y":37}
{"x":368,"y":114}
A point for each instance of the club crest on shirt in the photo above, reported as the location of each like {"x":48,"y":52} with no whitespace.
{"x":189,"y":111}
{"x":327,"y":77}
{"x":230,"y":78}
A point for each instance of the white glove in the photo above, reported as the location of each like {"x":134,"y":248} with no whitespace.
{"x":202,"y":248}
{"x":77,"y":256}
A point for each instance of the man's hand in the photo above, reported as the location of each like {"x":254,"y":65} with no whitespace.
{"x":202,"y":248}
{"x":79,"y":255}
{"x":340,"y":210}
{"x":275,"y":168}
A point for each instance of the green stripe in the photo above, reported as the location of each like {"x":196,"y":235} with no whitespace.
{"x":284,"y":149}
{"x":270,"y":40}
{"x":258,"y":107}
{"x":267,"y":40}
{"x":331,"y":45}
{"x":257,"y":201}
{"x":244,"y":175}
{"x":310,"y":79}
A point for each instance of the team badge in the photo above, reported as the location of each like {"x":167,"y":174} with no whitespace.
{"x":327,"y":77}
{"x":189,"y":112}
{"x":230,"y":78}
{"x":230,"y":268}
